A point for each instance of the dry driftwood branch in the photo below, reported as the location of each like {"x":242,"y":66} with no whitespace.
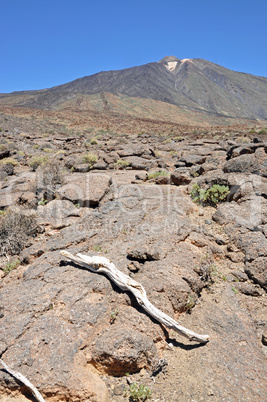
{"x":103,"y":265}
{"x":24,"y":380}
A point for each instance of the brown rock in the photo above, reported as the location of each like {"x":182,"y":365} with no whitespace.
{"x":119,"y":350}
{"x":181,"y":176}
{"x":248,"y":289}
{"x":257,"y":271}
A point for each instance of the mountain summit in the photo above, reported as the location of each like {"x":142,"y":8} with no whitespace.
{"x":193,"y":84}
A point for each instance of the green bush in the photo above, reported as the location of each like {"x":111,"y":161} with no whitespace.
{"x":37,"y":161}
{"x":8,"y":160}
{"x":211,"y":196}
{"x":11,"y":265}
{"x":262,"y":131}
{"x":93,"y":141}
{"x":154,"y":175}
{"x":138,"y":392}
{"x":121,"y":164}
{"x":91,"y":159}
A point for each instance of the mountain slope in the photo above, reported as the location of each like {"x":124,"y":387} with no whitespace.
{"x":193,"y":84}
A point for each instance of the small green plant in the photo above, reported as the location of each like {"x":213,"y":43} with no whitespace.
{"x":77,"y":205}
{"x":91,"y":159}
{"x":36,"y":146}
{"x":234,"y":290}
{"x":154,"y":175}
{"x":97,"y":248}
{"x":138,"y":392}
{"x":190,"y":303}
{"x":212,"y":196}
{"x":93,"y":141}
{"x":42,"y":202}
{"x":11,"y":265}
{"x":121,"y":164}
{"x":113,"y":316}
{"x":262,"y":131}
{"x":60,"y":152}
{"x":37,"y":161}
{"x":72,"y":169}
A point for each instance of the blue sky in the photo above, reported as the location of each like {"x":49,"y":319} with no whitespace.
{"x":49,"y":42}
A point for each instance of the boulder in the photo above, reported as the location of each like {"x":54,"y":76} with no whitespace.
{"x":243,"y":164}
{"x":192,"y":159}
{"x":57,"y":213}
{"x":120,"y":350}
{"x":257,"y":271}
{"x":137,"y":163}
{"x":252,"y":244}
{"x":247,"y":214}
{"x":85,"y":189}
{"x":181,"y":176}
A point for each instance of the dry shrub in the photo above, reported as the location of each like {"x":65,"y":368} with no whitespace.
{"x":49,"y":178}
{"x":50,"y":174}
{"x":17,"y":225}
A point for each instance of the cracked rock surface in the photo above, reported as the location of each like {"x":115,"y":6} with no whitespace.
{"x":75,"y":335}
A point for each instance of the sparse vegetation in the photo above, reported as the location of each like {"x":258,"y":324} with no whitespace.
{"x":93,"y":141}
{"x":190,"y":303}
{"x":42,"y":202}
{"x":97,"y":247}
{"x":138,"y":392}
{"x":16,"y":226}
{"x":262,"y":131}
{"x":157,"y":153}
{"x":11,"y":265}
{"x":113,"y":316}
{"x":211,"y":196}
{"x":121,"y":164}
{"x":49,"y":175}
{"x":37,"y":161}
{"x":234,"y":289}
{"x":207,"y":269}
{"x":60,"y":152}
{"x":3,"y":147}
{"x":153,"y":175}
{"x":8,"y":160}
{"x":90,"y":159}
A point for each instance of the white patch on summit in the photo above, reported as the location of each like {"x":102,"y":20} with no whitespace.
{"x":171,"y":65}
{"x":184,"y":60}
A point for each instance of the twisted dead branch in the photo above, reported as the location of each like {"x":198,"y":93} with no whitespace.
{"x":24,"y":381}
{"x":103,"y":265}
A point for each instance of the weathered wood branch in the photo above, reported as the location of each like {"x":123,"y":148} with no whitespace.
{"x":24,"y":381}
{"x":103,"y":265}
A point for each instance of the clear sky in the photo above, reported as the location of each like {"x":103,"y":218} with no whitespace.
{"x":49,"y":42}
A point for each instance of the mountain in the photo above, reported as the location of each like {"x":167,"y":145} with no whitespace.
{"x":193,"y":84}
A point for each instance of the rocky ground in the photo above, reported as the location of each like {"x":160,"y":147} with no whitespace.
{"x":75,"y":335}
